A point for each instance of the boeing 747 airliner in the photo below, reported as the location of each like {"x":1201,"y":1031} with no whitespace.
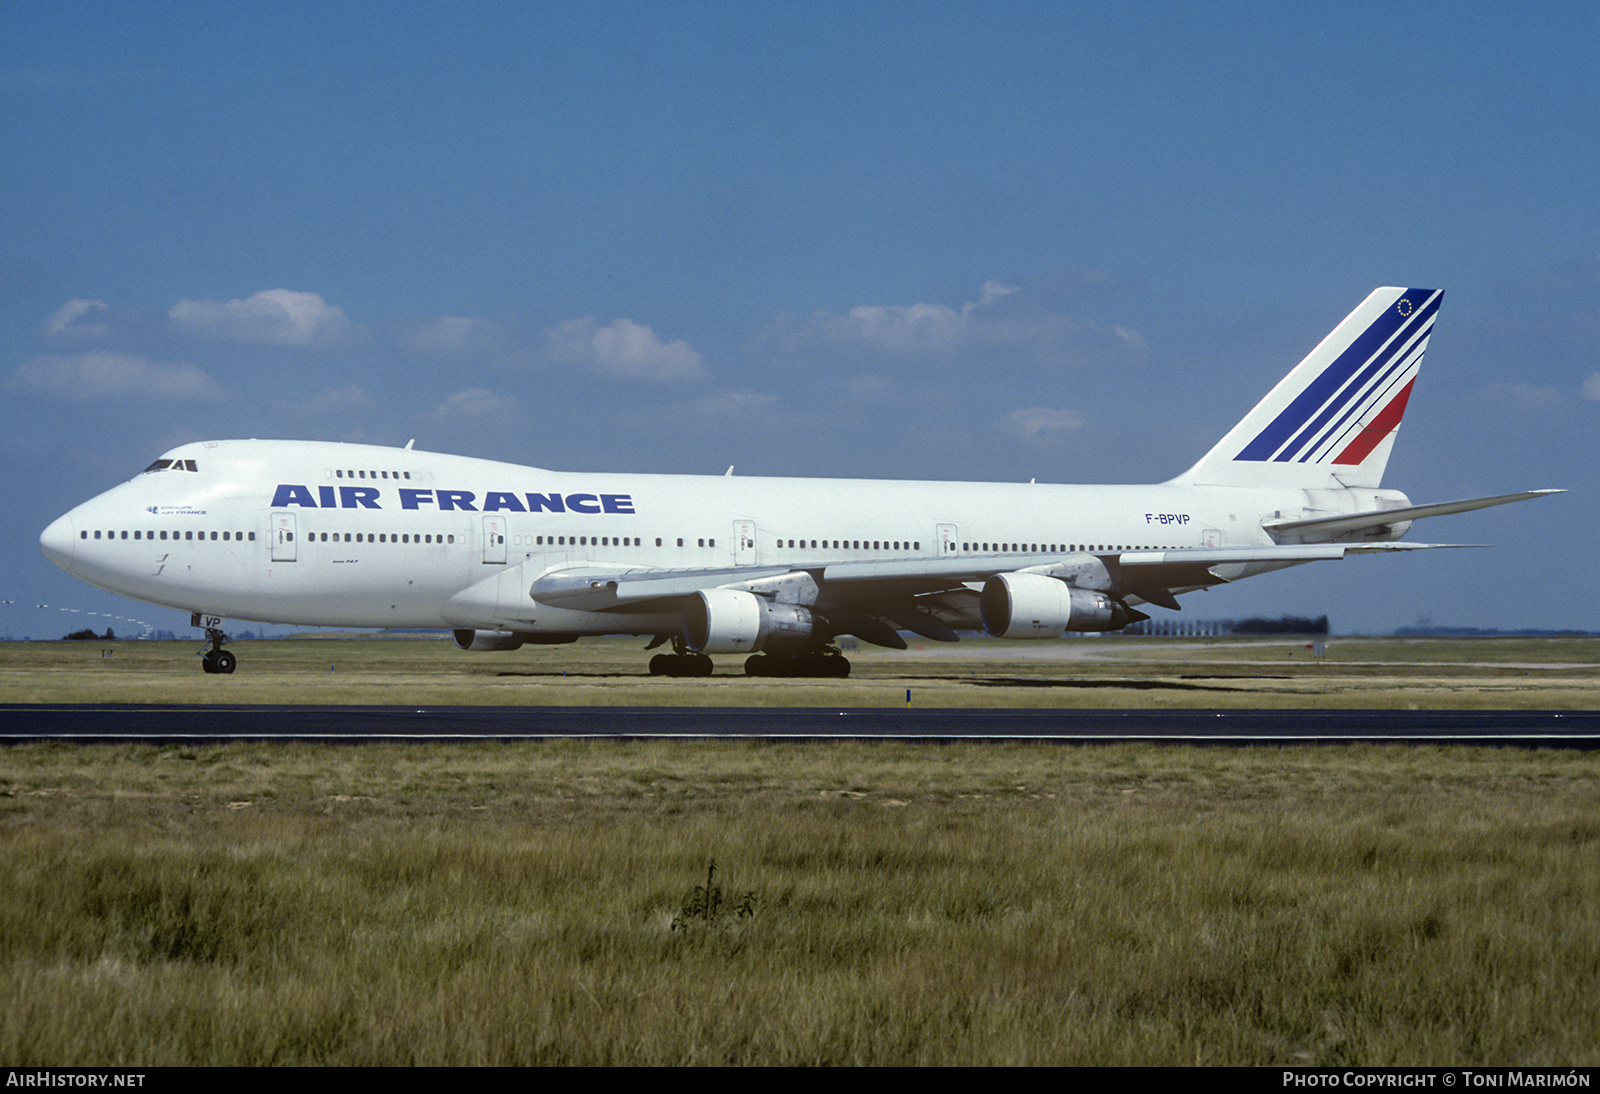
{"x":346,"y":535}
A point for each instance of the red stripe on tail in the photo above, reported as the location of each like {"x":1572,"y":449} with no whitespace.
{"x":1377,"y":429}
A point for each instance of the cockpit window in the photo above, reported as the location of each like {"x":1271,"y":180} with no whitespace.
{"x":171,"y":465}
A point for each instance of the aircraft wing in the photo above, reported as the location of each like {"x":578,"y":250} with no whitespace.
{"x":931,"y":597}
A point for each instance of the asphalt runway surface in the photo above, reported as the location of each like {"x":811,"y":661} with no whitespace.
{"x":355,"y":724}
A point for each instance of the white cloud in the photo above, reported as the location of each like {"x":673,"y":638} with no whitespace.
{"x":452,"y":336}
{"x":348,"y":399}
{"x":1130,"y":338}
{"x":276,"y":317}
{"x":81,"y":377}
{"x":1005,"y":324}
{"x":474,"y":402}
{"x":70,"y":320}
{"x":1591,"y":386}
{"x":872,"y":388}
{"x":1038,"y":424}
{"x":623,"y":348}
{"x":723,"y":404}
{"x":1530,"y":395}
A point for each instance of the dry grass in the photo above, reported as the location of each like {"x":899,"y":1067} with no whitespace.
{"x":1549,"y":674}
{"x":914,"y":904}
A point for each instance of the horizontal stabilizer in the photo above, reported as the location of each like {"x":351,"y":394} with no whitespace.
{"x":1355,"y":522}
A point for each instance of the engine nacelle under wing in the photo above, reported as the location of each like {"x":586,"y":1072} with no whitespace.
{"x":1022,"y":605}
{"x":732,"y":621}
{"x":490,"y":641}
{"x":484,"y":641}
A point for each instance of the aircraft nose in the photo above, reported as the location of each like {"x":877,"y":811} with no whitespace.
{"x":59,"y":541}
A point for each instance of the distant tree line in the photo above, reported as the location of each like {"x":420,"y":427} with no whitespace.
{"x":1218,"y":628}
{"x":1286,"y":624}
{"x":86,"y":634}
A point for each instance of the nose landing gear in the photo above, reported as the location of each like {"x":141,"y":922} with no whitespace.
{"x":216,"y":659}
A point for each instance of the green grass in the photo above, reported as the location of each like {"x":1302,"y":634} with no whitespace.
{"x":1561,"y":674}
{"x":498,"y":903}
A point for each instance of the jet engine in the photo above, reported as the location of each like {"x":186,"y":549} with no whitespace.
{"x":485,"y":641}
{"x":733,"y":621}
{"x":1022,"y":605}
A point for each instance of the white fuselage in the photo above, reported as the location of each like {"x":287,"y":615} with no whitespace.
{"x":333,"y":534}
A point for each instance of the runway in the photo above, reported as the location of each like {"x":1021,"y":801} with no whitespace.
{"x":356,"y":724}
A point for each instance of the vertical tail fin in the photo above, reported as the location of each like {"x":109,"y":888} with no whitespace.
{"x":1331,"y":422}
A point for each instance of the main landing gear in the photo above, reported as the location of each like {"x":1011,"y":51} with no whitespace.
{"x":822,"y":661}
{"x":217,"y":659}
{"x":680,"y":662}
{"x":818,"y":661}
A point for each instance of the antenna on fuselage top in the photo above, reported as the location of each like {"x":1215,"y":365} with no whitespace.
{"x":728,"y":474}
{"x":409,"y":443}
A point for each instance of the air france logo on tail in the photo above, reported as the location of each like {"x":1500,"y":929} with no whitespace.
{"x":1348,"y":407}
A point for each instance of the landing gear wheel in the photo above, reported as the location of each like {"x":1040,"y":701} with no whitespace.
{"x":216,"y":659}
{"x":824,"y":663}
{"x":681,"y":664}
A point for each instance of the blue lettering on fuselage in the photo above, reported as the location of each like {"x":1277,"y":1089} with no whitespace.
{"x":495,"y":501}
{"x":499,"y":499}
{"x":293,"y":495}
{"x":364,"y":497}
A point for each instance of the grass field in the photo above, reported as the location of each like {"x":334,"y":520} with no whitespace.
{"x":1546,"y":674}
{"x":910,"y":904}
{"x":259,"y":904}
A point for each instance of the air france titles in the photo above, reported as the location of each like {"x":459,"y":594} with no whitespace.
{"x":495,"y":501}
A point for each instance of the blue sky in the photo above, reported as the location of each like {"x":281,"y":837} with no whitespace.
{"x":1066,"y":241}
